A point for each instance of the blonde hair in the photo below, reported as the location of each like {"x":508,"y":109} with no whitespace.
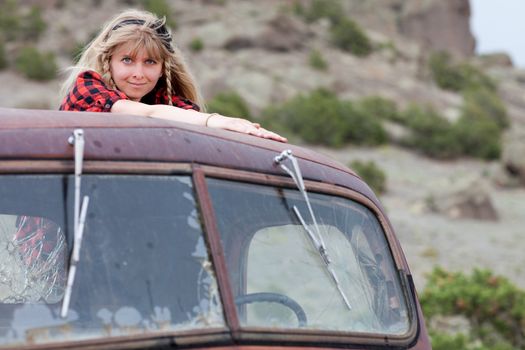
{"x":143,"y":30}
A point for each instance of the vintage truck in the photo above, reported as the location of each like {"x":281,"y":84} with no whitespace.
{"x":122,"y":232}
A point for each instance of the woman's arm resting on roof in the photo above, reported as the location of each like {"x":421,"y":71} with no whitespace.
{"x":190,"y":116}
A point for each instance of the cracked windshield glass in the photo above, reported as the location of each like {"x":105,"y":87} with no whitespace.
{"x":143,"y":266}
{"x":339,"y":276}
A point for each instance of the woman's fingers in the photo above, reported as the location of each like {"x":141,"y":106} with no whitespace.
{"x":243,"y":126}
{"x":261,"y":132}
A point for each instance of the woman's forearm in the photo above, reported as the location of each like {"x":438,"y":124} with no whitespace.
{"x":190,"y":116}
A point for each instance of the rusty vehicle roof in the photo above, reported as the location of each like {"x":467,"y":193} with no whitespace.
{"x":42,"y":135}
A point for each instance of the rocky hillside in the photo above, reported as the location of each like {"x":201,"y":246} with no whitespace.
{"x":263,"y":50}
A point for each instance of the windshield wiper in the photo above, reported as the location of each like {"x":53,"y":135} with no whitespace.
{"x":77,"y":139}
{"x":315,"y":237}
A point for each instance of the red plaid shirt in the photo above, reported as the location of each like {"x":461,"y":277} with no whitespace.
{"x":90,"y":93}
{"x":36,"y":238}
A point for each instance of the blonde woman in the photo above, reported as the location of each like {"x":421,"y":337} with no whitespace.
{"x":132,"y":67}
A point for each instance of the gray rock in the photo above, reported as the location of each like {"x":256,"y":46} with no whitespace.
{"x":470,"y":202}
{"x":513,"y":157}
{"x":284,"y":33}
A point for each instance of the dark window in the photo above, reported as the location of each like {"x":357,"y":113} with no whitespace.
{"x":143,"y":267}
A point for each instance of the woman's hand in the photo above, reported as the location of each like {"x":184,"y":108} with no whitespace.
{"x":216,"y":120}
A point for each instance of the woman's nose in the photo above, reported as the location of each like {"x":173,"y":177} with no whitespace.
{"x":138,"y":71}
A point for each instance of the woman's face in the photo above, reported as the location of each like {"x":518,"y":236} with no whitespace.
{"x":134,"y":75}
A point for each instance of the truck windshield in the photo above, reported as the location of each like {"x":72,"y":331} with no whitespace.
{"x":143,"y":267}
{"x":279,"y":277}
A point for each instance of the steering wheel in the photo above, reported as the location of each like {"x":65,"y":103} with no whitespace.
{"x":275,"y":298}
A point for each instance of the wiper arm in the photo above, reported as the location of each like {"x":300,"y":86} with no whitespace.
{"x":79,"y":218}
{"x":315,"y":237}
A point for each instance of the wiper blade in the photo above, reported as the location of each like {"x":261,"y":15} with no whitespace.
{"x":315,"y":237}
{"x":79,"y":218}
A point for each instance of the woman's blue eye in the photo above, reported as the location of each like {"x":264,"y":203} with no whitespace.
{"x":151,"y":61}
{"x":126,"y":60}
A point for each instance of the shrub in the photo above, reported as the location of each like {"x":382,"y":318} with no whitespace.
{"x":494,"y":306}
{"x":3,"y":56}
{"x":317,"y":118}
{"x":483,"y":118}
{"x":345,"y":33}
{"x":348,"y":36}
{"x":373,"y":175}
{"x":330,"y":9}
{"x":431,"y":133}
{"x":445,"y":76}
{"x":475,"y":134}
{"x":160,"y":8}
{"x":15,"y":25}
{"x":474,"y":78}
{"x":196,"y":45}
{"x":33,"y":25}
{"x":317,"y":61}
{"x":321,"y":118}
{"x":457,"y":77}
{"x":9,"y":19}
{"x":36,"y":65}
{"x":230,"y":104}
{"x":478,"y":136}
{"x":379,"y":107}
{"x":485,"y":103}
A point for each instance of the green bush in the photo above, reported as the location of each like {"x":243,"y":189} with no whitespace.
{"x":441,"y":341}
{"x":494,"y":306}
{"x":475,"y":134}
{"x":480,"y":127}
{"x":484,"y":103}
{"x":3,"y":56}
{"x":349,"y":36}
{"x":9,"y":20}
{"x":230,"y":104}
{"x":475,"y":78}
{"x":373,"y":175}
{"x":160,"y":8}
{"x":453,"y":77}
{"x":445,"y":75}
{"x":321,"y":118}
{"x":317,"y":61}
{"x":17,"y":26}
{"x":431,"y":133}
{"x":33,"y":25}
{"x":36,"y":65}
{"x":330,"y":9}
{"x":196,"y":45}
{"x":345,"y":33}
{"x":379,"y":107}
{"x":478,"y":137}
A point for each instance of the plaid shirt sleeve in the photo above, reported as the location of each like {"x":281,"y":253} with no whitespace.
{"x":90,"y":93}
{"x":184,"y":103}
{"x":161,"y":97}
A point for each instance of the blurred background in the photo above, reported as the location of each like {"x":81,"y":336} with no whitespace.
{"x":399,"y":90}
